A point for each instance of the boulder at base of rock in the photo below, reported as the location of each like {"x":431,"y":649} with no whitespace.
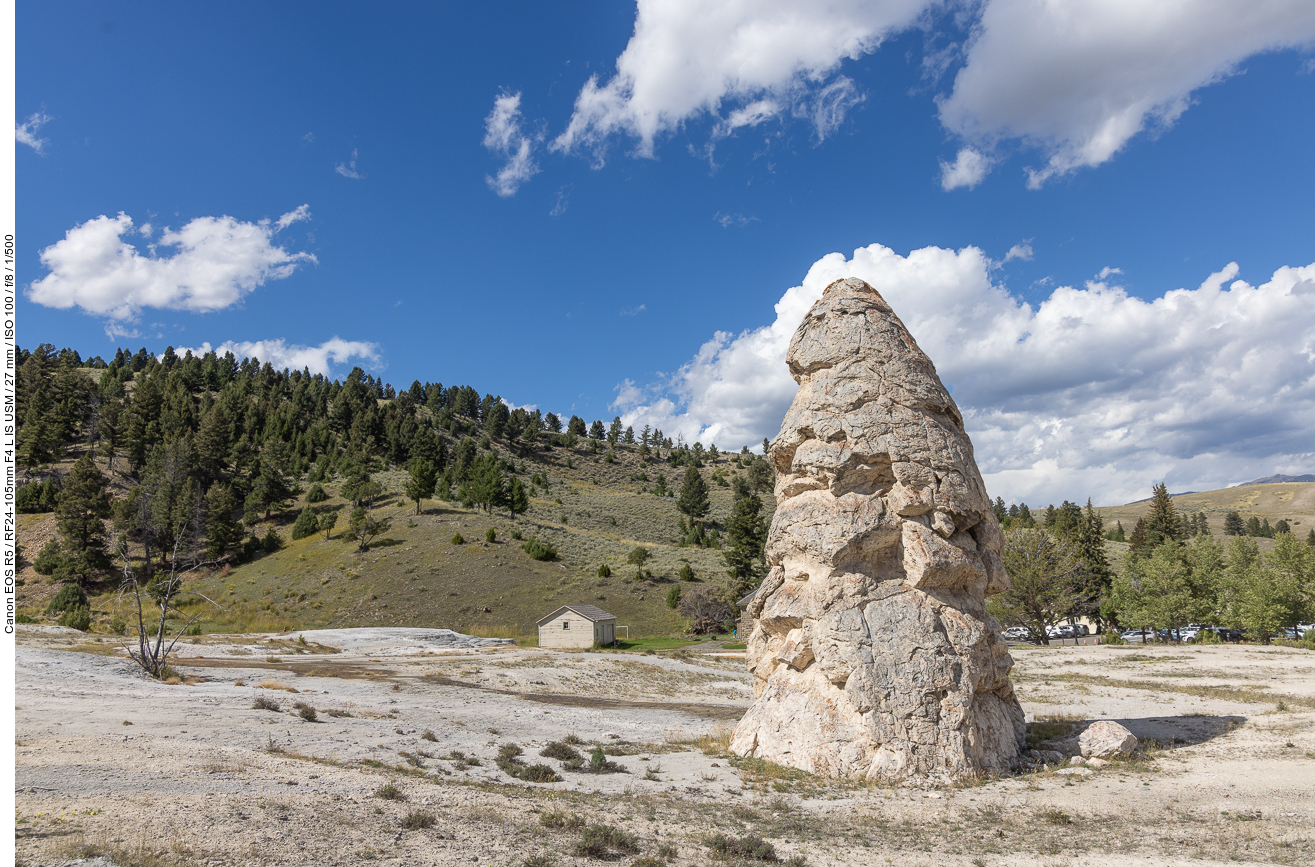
{"x":873,"y":655}
{"x":1105,"y":738}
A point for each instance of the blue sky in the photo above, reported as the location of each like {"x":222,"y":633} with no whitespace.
{"x":673,"y":179}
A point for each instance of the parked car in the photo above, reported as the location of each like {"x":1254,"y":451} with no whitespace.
{"x":1137,"y":636}
{"x":1016,"y":633}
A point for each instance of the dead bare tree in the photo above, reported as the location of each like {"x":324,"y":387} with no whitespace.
{"x":164,"y":515}
{"x":162,"y":593}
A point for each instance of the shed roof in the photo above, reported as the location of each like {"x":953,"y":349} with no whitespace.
{"x":592,"y":612}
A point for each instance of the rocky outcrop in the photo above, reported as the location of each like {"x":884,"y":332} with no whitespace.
{"x":872,"y":652}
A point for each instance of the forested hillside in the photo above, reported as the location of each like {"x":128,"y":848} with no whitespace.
{"x":300,"y":500}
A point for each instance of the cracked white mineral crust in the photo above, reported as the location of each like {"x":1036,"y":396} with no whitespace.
{"x":872,"y":652}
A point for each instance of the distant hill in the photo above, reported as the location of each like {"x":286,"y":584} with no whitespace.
{"x":1291,"y":501}
{"x":595,"y":493}
{"x":1279,"y":479}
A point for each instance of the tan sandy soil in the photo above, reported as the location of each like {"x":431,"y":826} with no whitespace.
{"x":110,"y":762}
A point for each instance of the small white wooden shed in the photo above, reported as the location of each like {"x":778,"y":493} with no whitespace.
{"x":577,"y":626}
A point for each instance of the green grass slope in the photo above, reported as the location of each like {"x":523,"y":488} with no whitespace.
{"x":592,"y":512}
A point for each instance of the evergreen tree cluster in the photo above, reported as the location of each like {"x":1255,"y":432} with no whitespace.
{"x":1168,"y":581}
{"x":210,"y":445}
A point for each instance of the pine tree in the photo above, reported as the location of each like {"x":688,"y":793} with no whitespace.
{"x":1163,"y":523}
{"x":81,"y":508}
{"x":422,"y":481}
{"x":693,"y":500}
{"x":327,"y":522}
{"x":1234,"y":525}
{"x":746,"y":533}
{"x":1090,"y":537}
{"x":36,"y":438}
{"x":213,"y":441}
{"x":518,"y":501}
{"x":485,"y":486}
{"x":307,"y":524}
{"x":223,"y":533}
{"x":1137,"y":541}
{"x":596,"y":430}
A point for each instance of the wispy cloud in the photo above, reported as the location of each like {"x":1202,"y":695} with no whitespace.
{"x":348,"y":169}
{"x":563,"y":200}
{"x":1021,"y":251}
{"x":26,"y":132}
{"x":728,"y":220}
{"x":505,"y":136}
{"x":300,"y":213}
{"x":634,"y":311}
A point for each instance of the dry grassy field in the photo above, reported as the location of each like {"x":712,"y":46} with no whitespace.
{"x":396,"y":761}
{"x":1294,"y":501}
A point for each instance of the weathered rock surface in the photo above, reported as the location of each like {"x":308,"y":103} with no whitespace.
{"x":872,"y":652}
{"x":1104,"y":738}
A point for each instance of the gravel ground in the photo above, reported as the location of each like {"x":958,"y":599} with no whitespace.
{"x":113,"y":764}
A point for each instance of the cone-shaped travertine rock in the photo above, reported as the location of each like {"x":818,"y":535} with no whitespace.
{"x":872,"y":652}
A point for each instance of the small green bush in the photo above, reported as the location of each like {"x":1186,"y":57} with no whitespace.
{"x":556,"y":818}
{"x":516,"y":534}
{"x":390,"y":792}
{"x":69,"y":596}
{"x":673,"y":596}
{"x":598,"y":841}
{"x":306,"y":712}
{"x":538,"y":774}
{"x":272,"y":541}
{"x":458,"y":539}
{"x":604,"y":571}
{"x":316,"y":494}
{"x":559,"y":750}
{"x":752,"y":846}
{"x":417,"y":821}
{"x":491,"y":535}
{"x":307,"y":524}
{"x":264,"y":702}
{"x":540,"y":550}
{"x":25,"y":618}
{"x":77,"y":617}
{"x":48,"y":559}
{"x":685,"y":573}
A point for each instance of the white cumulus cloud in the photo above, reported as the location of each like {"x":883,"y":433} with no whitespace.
{"x":278,"y":353}
{"x":1074,"y":80}
{"x":504,"y":135}
{"x":218,"y":261}
{"x":1090,"y":392}
{"x":741,"y":62}
{"x":26,"y":132}
{"x":968,"y":170}
{"x":1079,"y":78}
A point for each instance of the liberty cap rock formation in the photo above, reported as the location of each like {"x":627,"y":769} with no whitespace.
{"x":872,"y":652}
